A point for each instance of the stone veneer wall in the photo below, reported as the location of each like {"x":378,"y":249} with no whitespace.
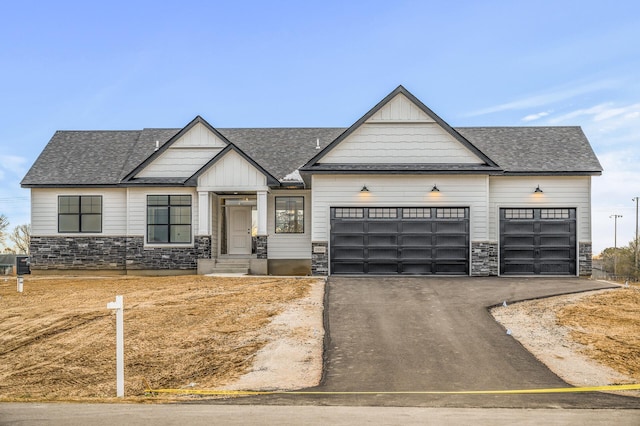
{"x":320,"y":258}
{"x":484,"y":258}
{"x":113,"y":253}
{"x":585,"y":259}
{"x":261,"y":246}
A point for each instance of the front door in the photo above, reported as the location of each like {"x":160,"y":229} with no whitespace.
{"x":239,"y":236}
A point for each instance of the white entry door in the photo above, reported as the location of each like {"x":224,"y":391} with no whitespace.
{"x":239,"y":236}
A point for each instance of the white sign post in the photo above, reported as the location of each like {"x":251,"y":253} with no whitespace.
{"x":20,"y":283}
{"x":119,"y":308}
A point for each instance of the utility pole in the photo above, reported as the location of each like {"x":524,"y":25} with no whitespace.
{"x":636,"y":241}
{"x":615,"y":229}
{"x":615,"y":243}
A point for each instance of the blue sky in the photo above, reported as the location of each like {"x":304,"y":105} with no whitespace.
{"x":134,"y":64}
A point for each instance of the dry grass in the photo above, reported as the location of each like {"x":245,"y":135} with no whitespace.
{"x":57,"y":339}
{"x":609,"y":325}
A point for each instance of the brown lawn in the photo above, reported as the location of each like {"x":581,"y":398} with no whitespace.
{"x":609,"y":325}
{"x":57,"y":338}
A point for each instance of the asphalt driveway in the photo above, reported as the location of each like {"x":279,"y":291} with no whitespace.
{"x":435,"y":334}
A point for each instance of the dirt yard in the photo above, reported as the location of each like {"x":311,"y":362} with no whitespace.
{"x":57,"y":338}
{"x":588,"y":339}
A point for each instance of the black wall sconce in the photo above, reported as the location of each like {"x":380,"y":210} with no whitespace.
{"x":435,"y":188}
{"x":538,"y":190}
{"x":364,"y":188}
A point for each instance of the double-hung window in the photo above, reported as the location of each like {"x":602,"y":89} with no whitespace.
{"x":168,"y":219}
{"x":79,"y":213}
{"x":289,"y":215}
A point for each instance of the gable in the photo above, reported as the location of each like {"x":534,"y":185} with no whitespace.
{"x":400,"y":131}
{"x":186,"y":155}
{"x":231,"y":171}
{"x":403,"y":143}
{"x":400,"y":109}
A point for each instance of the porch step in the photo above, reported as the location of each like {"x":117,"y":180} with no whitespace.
{"x":227,"y":265}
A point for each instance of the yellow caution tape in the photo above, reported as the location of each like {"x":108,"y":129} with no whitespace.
{"x":480,"y":392}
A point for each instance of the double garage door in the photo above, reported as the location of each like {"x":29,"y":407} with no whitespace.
{"x":400,"y":240}
{"x":538,"y":241}
{"x":430,"y":240}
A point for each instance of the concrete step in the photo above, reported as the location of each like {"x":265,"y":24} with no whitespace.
{"x":229,"y":270}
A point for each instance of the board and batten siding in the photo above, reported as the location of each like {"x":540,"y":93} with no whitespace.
{"x":400,"y":109}
{"x":399,"y":191}
{"x":232,"y":172}
{"x":137,"y":210}
{"x":518,"y":192}
{"x":186,"y":155}
{"x":289,"y":246}
{"x":44,"y":210}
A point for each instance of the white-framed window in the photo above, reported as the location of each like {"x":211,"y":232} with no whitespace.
{"x":289,"y":215}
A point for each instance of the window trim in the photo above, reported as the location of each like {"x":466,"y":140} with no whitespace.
{"x":275,"y":219}
{"x":80,"y":214}
{"x":169,"y":224}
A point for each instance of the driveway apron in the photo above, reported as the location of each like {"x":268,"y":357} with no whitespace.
{"x":395,"y":334}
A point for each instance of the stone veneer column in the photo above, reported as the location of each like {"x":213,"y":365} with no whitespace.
{"x":484,"y":258}
{"x":261,"y":246}
{"x":585,"y":259}
{"x":320,"y":258}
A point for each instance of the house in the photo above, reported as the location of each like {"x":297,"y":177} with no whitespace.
{"x":398,"y":192}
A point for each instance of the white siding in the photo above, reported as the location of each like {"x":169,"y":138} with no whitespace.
{"x":177,"y":162}
{"x":289,"y":246}
{"x":186,"y":155}
{"x":399,"y":191}
{"x":138,"y":207}
{"x":573,"y":192}
{"x":232,"y":172}
{"x":400,"y":109}
{"x":400,"y":143}
{"x":44,"y":210}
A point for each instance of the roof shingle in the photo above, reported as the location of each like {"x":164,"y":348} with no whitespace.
{"x":94,"y":158}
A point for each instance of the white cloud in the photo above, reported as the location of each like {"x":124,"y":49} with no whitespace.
{"x":14,"y":164}
{"x":601,"y":112}
{"x":551,"y":96}
{"x":533,"y":117}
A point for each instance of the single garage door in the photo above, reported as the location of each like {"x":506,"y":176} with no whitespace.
{"x":400,"y":240}
{"x":538,"y":241}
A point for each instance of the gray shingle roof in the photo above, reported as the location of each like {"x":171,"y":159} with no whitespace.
{"x":535,"y":149}
{"x":75,"y":158}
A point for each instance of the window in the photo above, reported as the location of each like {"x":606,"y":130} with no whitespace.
{"x":168,"y":219}
{"x":518,"y":213}
{"x":416,"y":213}
{"x":451,"y":213}
{"x":79,"y":213}
{"x":383,"y":213}
{"x":349,"y":213}
{"x":289,"y":215}
{"x":554,"y":214}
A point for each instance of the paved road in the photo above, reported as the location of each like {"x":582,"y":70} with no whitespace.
{"x":436,"y":334}
{"x":195,"y":415}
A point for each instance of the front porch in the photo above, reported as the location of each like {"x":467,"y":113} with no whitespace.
{"x":237,"y":224}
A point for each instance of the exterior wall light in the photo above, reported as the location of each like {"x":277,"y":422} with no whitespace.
{"x":364,"y":188}
{"x":538,"y":190}
{"x":435,"y":188}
